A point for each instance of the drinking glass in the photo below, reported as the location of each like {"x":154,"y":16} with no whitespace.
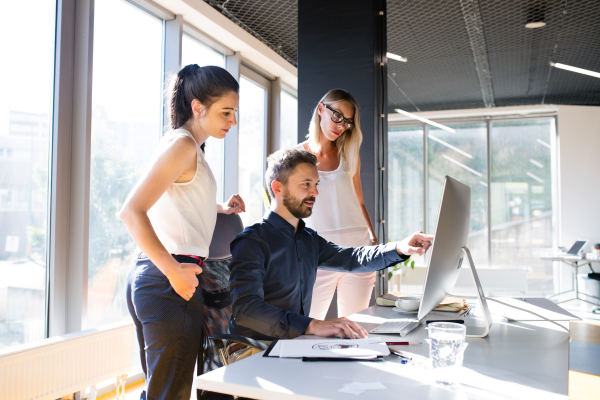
{"x":446,"y":350}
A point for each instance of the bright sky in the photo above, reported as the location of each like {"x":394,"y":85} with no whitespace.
{"x":28,"y":47}
{"x":127,"y":62}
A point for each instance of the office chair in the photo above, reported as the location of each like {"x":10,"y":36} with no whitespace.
{"x":237,"y":347}
{"x":230,"y":348}
{"x":226,"y":229}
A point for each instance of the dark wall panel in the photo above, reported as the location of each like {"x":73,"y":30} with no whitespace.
{"x":340,"y":46}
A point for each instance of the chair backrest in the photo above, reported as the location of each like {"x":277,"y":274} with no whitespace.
{"x":226,"y":229}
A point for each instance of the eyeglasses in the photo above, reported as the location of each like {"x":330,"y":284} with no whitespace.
{"x":338,"y":117}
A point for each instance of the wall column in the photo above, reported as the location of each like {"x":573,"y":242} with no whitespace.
{"x":342,"y":44}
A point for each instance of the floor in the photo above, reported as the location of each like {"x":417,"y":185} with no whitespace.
{"x":584,"y":363}
{"x":132,"y":392}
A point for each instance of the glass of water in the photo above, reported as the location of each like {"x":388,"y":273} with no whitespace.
{"x":446,"y":350}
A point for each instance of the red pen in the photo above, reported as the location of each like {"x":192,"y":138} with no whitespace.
{"x":402,"y":343}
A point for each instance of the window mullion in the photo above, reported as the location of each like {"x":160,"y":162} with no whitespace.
{"x":70,"y":179}
{"x":489,"y":191}
{"x":230,"y":156}
{"x":173,"y":30}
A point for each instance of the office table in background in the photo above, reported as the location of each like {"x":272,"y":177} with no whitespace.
{"x":575,"y":263}
{"x":522,"y":360}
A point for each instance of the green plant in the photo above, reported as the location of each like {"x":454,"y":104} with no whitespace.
{"x":400,"y":266}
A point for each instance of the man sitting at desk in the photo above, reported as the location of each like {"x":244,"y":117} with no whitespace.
{"x":275,"y":260}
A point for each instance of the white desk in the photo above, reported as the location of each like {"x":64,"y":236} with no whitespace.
{"x":525,"y":360}
{"x":574,"y":263}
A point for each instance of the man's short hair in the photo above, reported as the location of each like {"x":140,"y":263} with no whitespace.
{"x":281,"y":164}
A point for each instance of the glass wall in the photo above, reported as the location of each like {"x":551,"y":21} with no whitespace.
{"x":405,"y":181}
{"x":462,"y":156}
{"x":288,"y":123}
{"x":195,"y":52}
{"x":126,"y":117}
{"x":25,"y":141}
{"x":126,"y":127}
{"x":521,"y":189}
{"x":521,"y":193}
{"x":252,"y":133}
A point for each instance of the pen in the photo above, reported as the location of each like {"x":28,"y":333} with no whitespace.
{"x":402,"y":343}
{"x":404,"y":358}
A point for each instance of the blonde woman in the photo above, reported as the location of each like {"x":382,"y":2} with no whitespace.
{"x":339,"y":215}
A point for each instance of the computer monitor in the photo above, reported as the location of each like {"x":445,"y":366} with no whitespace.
{"x":577,"y":247}
{"x":447,"y":253}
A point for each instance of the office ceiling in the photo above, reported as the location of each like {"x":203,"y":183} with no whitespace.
{"x":463,"y":53}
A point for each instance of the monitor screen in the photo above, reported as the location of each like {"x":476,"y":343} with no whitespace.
{"x":576,"y":248}
{"x":446,"y":254}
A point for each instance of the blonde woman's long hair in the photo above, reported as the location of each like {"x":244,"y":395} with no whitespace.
{"x":348,"y":143}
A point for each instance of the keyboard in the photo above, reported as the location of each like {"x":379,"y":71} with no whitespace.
{"x":401,"y":326}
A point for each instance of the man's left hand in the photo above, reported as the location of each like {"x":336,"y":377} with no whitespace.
{"x":417,"y":244}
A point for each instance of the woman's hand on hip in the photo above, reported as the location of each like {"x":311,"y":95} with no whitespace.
{"x":234,"y":205}
{"x":374,"y":241}
{"x":184,"y":280}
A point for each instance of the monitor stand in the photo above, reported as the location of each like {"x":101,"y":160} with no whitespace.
{"x":478,"y":331}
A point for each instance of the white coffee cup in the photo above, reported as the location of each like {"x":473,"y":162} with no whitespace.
{"x":408,"y":303}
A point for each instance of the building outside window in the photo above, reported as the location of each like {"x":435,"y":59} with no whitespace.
{"x":288,"y":128}
{"x":25,"y":141}
{"x":195,"y":52}
{"x":252,"y":142}
{"x":126,"y":127}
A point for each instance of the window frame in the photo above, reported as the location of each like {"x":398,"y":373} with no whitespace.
{"x":66,"y":283}
{"x":291,"y":92}
{"x":488,"y":119}
{"x":258,"y":79}
{"x":70,"y":140}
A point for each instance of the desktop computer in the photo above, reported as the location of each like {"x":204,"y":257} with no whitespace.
{"x":448,"y":252}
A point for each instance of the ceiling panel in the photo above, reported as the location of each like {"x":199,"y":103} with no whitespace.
{"x":463,"y":53}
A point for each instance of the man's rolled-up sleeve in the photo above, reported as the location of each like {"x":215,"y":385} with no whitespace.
{"x":250,"y":256}
{"x":357,"y":259}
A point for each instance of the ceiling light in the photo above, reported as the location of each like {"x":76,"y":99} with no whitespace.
{"x":537,"y":164}
{"x":396,"y":57}
{"x":427,"y":121}
{"x":540,"y":180}
{"x":540,"y":141}
{"x":535,"y":17}
{"x":448,"y":145}
{"x":575,"y":69}
{"x":471,"y":170}
{"x":536,"y":24}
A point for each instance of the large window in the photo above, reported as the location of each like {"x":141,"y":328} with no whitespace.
{"x":25,"y":121}
{"x":405,"y":181}
{"x":463,"y":156}
{"x":288,"y":123}
{"x":510,"y":227}
{"x":521,"y":191}
{"x":126,"y":127}
{"x":194,"y":52}
{"x":252,"y":147}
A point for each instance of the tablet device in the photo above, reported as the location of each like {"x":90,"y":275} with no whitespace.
{"x":577,"y":247}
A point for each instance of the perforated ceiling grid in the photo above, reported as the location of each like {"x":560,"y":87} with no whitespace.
{"x":463,"y":53}
{"x":273,"y":22}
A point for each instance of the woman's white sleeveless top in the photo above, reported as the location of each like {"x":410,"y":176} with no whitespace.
{"x":185,"y":215}
{"x":337,"y":215}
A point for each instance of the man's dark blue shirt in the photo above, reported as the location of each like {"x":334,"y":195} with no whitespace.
{"x":273,"y":271}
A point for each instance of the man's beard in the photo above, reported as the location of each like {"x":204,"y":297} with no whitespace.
{"x":296,"y":206}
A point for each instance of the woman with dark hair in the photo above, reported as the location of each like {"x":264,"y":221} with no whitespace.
{"x":339,"y":214}
{"x":171,"y":214}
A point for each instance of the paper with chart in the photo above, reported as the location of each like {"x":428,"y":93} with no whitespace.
{"x":332,"y":348}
